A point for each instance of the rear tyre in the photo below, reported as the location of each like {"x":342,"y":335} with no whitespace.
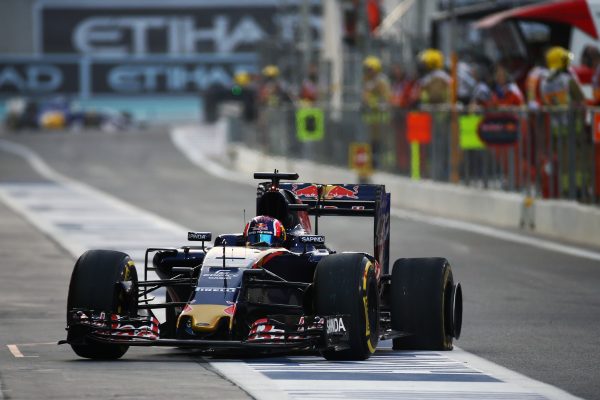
{"x":347,"y":284}
{"x":425,"y":303}
{"x":96,"y":285}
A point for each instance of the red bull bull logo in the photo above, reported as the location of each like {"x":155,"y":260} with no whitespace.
{"x":339,"y":192}
{"x":310,"y":191}
{"x":261,"y":226}
{"x":330,"y":192}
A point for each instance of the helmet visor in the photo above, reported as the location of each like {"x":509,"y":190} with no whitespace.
{"x":266,"y":239}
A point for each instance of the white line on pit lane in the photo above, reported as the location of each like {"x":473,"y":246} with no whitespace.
{"x":14,"y":350}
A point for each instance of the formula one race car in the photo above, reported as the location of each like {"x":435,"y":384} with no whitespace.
{"x":275,"y":287}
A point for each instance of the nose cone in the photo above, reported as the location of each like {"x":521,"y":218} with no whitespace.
{"x":203,"y":317}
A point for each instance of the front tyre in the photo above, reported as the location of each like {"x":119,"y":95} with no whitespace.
{"x":98,"y":282}
{"x":347,"y":284}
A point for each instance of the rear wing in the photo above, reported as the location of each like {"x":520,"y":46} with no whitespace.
{"x":356,"y":200}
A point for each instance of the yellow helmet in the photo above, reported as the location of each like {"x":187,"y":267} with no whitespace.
{"x":271,"y":71}
{"x":558,"y":58}
{"x":432,"y":59}
{"x":373,"y":63}
{"x":242,"y":78}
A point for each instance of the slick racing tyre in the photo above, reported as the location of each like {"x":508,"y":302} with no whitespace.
{"x":95,"y":286}
{"x":346,"y":284}
{"x":425,"y":304}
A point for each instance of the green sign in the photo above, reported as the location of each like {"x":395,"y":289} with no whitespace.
{"x":310,"y":124}
{"x":468,"y":126}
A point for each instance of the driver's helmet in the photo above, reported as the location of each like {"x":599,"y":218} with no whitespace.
{"x":264,"y":231}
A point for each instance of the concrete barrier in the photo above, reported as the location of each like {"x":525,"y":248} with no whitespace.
{"x":488,"y":207}
{"x":568,"y":220}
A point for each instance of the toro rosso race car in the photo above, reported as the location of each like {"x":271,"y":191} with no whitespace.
{"x":275,"y":287}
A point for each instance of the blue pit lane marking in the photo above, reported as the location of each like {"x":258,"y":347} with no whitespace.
{"x":408,"y":395}
{"x":370,"y":376}
{"x":405,"y":366}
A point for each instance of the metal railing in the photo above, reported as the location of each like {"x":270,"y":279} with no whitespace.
{"x":548,"y":152}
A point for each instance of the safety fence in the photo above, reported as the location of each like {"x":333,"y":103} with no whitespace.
{"x":547,"y":152}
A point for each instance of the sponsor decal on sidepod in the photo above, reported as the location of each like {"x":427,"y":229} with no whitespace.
{"x":335,"y":325}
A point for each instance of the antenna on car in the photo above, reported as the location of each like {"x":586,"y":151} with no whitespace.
{"x":224,"y":270}
{"x":224,"y":255}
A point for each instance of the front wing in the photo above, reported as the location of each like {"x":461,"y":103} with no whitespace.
{"x":273,"y":333}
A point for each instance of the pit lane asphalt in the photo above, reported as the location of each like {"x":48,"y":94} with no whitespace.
{"x":533,"y":311}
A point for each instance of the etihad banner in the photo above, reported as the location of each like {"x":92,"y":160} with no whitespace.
{"x":34,"y":76}
{"x":147,"y":47}
{"x":85,"y":76}
{"x":177,"y":28}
